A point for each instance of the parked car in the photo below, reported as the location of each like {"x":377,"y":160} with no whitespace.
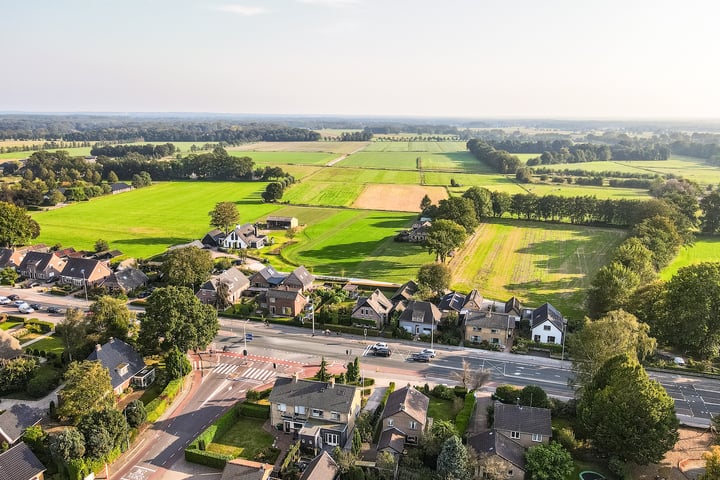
{"x":36,"y":306}
{"x":379,"y":345}
{"x":428,"y":351}
{"x":19,"y":302}
{"x":382,"y":352}
{"x":53,"y":310}
{"x":420,"y":357}
{"x":34,"y":284}
{"x":4,"y":300}
{"x":13,"y":297}
{"x":25,"y":308}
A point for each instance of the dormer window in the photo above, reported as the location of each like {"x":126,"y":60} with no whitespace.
{"x":122,"y":369}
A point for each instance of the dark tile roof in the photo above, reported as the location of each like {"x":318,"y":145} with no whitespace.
{"x":495,"y":443}
{"x":284,"y":292}
{"x":452,"y":301}
{"x":115,"y":353}
{"x":311,"y":394}
{"x":392,"y":439}
{"x":35,"y":261}
{"x":75,"y":266}
{"x":213,"y":238}
{"x":120,"y":187}
{"x":473,"y":300}
{"x":513,"y":306}
{"x":19,"y":463}
{"x":235,"y":279}
{"x":547,"y":312}
{"x":407,"y":400}
{"x":241,"y":469}
{"x":519,"y":418}
{"x":418,"y":311}
{"x":377,"y":301}
{"x":271,"y":276}
{"x":127,"y":279}
{"x":489,"y":320}
{"x":5,"y":256}
{"x":300,"y":276}
{"x":16,"y":419}
{"x":322,"y":467}
{"x":405,"y":292}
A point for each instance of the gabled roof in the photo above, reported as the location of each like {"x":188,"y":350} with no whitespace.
{"x":9,"y":346}
{"x":419,"y":311}
{"x":544,"y":313}
{"x":513,"y":306}
{"x":36,"y":261}
{"x":495,"y":443}
{"x":300,"y":276}
{"x":376,"y":301}
{"x":6,"y":255}
{"x":16,"y":419}
{"x":473,"y":300}
{"x":312,"y":394}
{"x":284,"y":292}
{"x":83,"y":268}
{"x":241,"y":469}
{"x":270,"y":275}
{"x":452,"y":301}
{"x":405,"y":292}
{"x":322,"y":467}
{"x":20,"y":463}
{"x":393,"y":439}
{"x":234,"y":278}
{"x":127,"y":279}
{"x":489,"y":320}
{"x":120,"y":186}
{"x":213,"y":238}
{"x":524,"y":419}
{"x":407,"y":400}
{"x":115,"y":354}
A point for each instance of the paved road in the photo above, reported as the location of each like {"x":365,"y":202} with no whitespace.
{"x":36,"y":295}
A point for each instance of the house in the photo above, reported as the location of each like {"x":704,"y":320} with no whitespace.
{"x":419,"y":317}
{"x":41,"y":265}
{"x":120,"y":187}
{"x":284,"y":301}
{"x":244,"y":236}
{"x":299,"y":279}
{"x":392,"y":441}
{"x":513,"y":307}
{"x":125,"y":280}
{"x":492,"y":327}
{"x":241,"y":469}
{"x":405,"y":293}
{"x":375,"y":308}
{"x":451,"y":302}
{"x":322,"y":467}
{"x":419,"y":232}
{"x":320,"y":413}
{"x":107,"y":255}
{"x":547,"y":325}
{"x":524,"y":425}
{"x":281,"y":223}
{"x":406,"y":411}
{"x":213,"y":238}
{"x":473,"y":301}
{"x":266,"y":278}
{"x":20,"y":463}
{"x":124,"y":363}
{"x":79,"y":271}
{"x":511,"y":455}
{"x":15,"y":420}
{"x":13,"y":257}
{"x":236,"y":283}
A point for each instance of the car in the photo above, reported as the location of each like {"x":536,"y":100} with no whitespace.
{"x":428,"y":351}
{"x":379,"y":345}
{"x":679,"y":361}
{"x":382,"y":352}
{"x":421,"y":357}
{"x":25,"y":308}
{"x":19,"y":302}
{"x":34,"y":284}
{"x":4,"y":300}
{"x":53,"y":310}
{"x":36,"y":306}
{"x":13,"y":297}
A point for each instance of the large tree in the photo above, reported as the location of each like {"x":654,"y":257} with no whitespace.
{"x":110,"y":317}
{"x":548,"y":462}
{"x":16,"y":226}
{"x":611,"y":289}
{"x":224,"y":216}
{"x":67,"y":445}
{"x":460,"y":210}
{"x":661,"y":237}
{"x":692,"y":302}
{"x":710,"y":219}
{"x":482,"y":200}
{"x":616,"y":333}
{"x":174,"y":317}
{"x":444,"y":237}
{"x":627,"y":416}
{"x":177,"y":364}
{"x":87,"y":389}
{"x":73,"y":331}
{"x":189,"y":266}
{"x":452,"y":462}
{"x":434,"y":276}
{"x":636,"y":257}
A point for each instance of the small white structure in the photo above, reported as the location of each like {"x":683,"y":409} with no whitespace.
{"x":547,"y":324}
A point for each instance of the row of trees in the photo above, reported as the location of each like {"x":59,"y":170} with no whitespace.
{"x":148,"y":150}
{"x":500,"y":160}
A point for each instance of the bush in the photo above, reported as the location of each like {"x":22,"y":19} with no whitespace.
{"x":210,"y":459}
{"x":42,"y":326}
{"x":566,"y":438}
{"x":158,"y":406}
{"x":506,"y":394}
{"x":255,"y":410}
{"x":443,"y":392}
{"x":462,"y":419}
{"x":42,"y":383}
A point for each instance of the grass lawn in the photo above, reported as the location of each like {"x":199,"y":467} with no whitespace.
{"x":144,"y":222}
{"x":8,"y":324}
{"x":705,"y":249}
{"x":287,"y":158}
{"x":583,"y":466}
{"x":244,"y":439}
{"x":536,"y":262}
{"x":440,"y":409}
{"x":49,"y":344}
{"x":339,"y":174}
{"x":332,"y":194}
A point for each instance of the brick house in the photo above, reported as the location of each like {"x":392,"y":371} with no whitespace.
{"x":299,"y":279}
{"x":406,"y":411}
{"x":375,"y":308}
{"x":284,"y":301}
{"x":492,"y":327}
{"x":84,"y":270}
{"x":41,"y":265}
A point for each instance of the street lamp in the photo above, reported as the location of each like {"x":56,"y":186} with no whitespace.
{"x":84,"y":283}
{"x":562,"y":355}
{"x":432,"y":331}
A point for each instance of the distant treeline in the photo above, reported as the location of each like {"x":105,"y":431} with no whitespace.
{"x":500,"y":160}
{"x":149,"y":150}
{"x":363,"y":136}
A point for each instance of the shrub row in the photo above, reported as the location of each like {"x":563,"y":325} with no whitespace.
{"x":255,"y":410}
{"x":158,"y":406}
{"x":462,"y":419}
{"x":44,"y":326}
{"x":377,"y":416}
{"x":203,"y":457}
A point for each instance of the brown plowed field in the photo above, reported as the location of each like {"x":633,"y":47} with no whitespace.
{"x":403,"y":198}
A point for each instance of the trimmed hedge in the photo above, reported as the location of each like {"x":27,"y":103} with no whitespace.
{"x":255,"y":410}
{"x":462,"y":419}
{"x":203,"y":457}
{"x":381,"y":408}
{"x":158,"y":406}
{"x":45,"y":327}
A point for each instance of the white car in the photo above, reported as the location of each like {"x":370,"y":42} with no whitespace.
{"x":20,"y":302}
{"x":379,"y":345}
{"x":25,"y":308}
{"x":428,"y":351}
{"x":4,"y":300}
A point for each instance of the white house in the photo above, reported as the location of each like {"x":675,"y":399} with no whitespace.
{"x":547,"y":324}
{"x":244,"y":236}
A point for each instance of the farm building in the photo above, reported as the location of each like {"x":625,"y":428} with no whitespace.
{"x":281,"y":223}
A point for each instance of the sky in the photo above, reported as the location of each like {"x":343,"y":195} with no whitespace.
{"x":467,"y":58}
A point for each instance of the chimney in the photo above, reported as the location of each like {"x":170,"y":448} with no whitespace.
{"x":331,"y":382}
{"x":98,"y":347}
{"x":295,"y":377}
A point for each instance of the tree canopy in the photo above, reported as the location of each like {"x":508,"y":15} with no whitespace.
{"x":444,"y":237}
{"x":87,"y":389}
{"x":110,"y":318}
{"x":16,"y":226}
{"x":460,"y":210}
{"x":224,"y":216}
{"x":452,"y":462}
{"x":189,"y":266}
{"x":435,"y":276}
{"x":548,"y":462}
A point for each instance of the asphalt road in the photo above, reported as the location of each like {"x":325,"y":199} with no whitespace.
{"x":37,"y":295}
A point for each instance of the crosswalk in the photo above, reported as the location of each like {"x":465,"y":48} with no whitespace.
{"x":252,"y":374}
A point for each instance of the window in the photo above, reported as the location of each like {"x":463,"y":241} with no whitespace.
{"x":412,"y":439}
{"x":282,"y":407}
{"x":493,"y":330}
{"x":335,"y":415}
{"x":331,"y":438}
{"x":317,"y":413}
{"x":390,"y":422}
{"x":537,"y":437}
{"x":413,"y":425}
{"x":271,"y":299}
{"x":551,"y":339}
{"x":286,"y":310}
{"x":495,"y":340}
{"x":299,"y":410}
{"x":514,"y":434}
{"x":546,"y":328}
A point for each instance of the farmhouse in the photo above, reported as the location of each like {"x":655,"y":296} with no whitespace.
{"x":281,"y":223}
{"x":78,"y":271}
{"x":419,"y":317}
{"x":235,"y":281}
{"x":375,"y":308}
{"x":41,"y":265}
{"x":492,"y":327}
{"x":213,"y":238}
{"x":547,"y":324}
{"x":243,"y":237}
{"x":124,"y":364}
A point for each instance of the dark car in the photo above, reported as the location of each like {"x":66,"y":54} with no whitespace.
{"x":13,"y":297}
{"x":35,"y":306}
{"x":421,"y":357}
{"x":53,"y":310}
{"x":382,"y":352}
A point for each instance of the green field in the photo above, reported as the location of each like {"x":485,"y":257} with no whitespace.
{"x":458,"y":161}
{"x":74,"y":152}
{"x":286,"y":158}
{"x":541,"y":189}
{"x":325,"y":147}
{"x":432,"y":147}
{"x":323,"y":193}
{"x":362,"y":175}
{"x":536,"y":262}
{"x":145,"y":222}
{"x":705,"y":249}
{"x":359,"y":243}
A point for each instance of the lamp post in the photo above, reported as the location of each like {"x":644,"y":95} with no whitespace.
{"x":562,"y":355}
{"x":432,"y":332}
{"x":84,"y":283}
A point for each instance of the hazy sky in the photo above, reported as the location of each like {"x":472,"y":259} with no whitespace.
{"x":477,"y":58}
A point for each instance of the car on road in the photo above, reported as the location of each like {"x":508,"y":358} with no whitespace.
{"x":420,"y":357}
{"x":13,"y":297}
{"x":428,"y":351}
{"x":53,"y":310}
{"x":36,"y":306}
{"x":34,"y":284}
{"x":19,"y":302}
{"x":379,"y":345}
{"x":4,"y":300}
{"x":25,"y":308}
{"x":382,"y":352}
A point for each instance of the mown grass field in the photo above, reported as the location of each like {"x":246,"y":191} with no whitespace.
{"x":286,"y":158}
{"x":323,"y":193}
{"x":145,"y":222}
{"x":705,"y":249}
{"x":360,"y":176}
{"x":409,"y":146}
{"x":458,"y":161}
{"x":77,"y":151}
{"x":536,"y":262}
{"x":326,"y":147}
